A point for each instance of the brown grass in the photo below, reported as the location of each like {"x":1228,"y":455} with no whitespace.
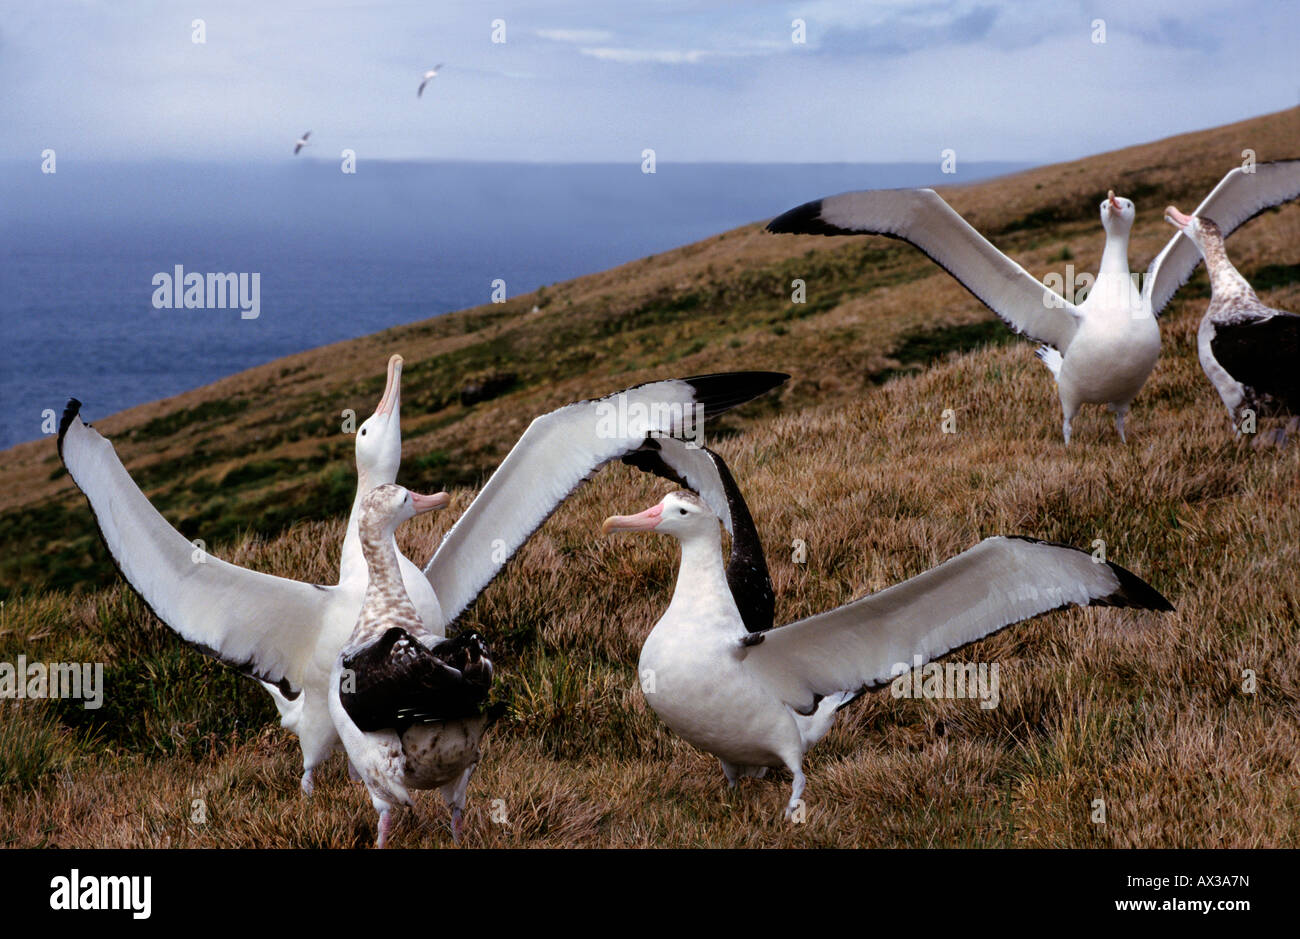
{"x":1144,"y":711}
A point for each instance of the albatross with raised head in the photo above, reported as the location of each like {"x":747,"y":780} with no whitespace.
{"x":287,"y":633}
{"x":1100,"y":350}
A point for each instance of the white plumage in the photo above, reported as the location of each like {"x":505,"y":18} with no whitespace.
{"x":1105,"y":346}
{"x":288,"y":634}
{"x":762,"y":698}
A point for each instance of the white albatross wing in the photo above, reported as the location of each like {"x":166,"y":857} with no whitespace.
{"x":249,"y":620}
{"x":1238,"y":198}
{"x":556,"y":454}
{"x":921,"y":218}
{"x":998,"y":582}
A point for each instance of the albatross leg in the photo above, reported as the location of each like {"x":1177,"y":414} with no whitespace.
{"x":796,"y":791}
{"x":1121,"y":412}
{"x":308,"y":787}
{"x":385,"y":825}
{"x":731,"y":772}
{"x":454,"y":795}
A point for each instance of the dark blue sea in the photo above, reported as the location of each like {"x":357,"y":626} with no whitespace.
{"x":338,"y":255}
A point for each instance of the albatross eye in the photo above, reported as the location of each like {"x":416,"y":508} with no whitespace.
{"x":363,"y":432}
{"x":681,"y":511}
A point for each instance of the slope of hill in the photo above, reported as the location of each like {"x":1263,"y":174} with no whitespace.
{"x":1145,"y":712}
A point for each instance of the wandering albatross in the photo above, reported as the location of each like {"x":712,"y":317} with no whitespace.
{"x":1101,"y":350}
{"x":1250,"y":352}
{"x":286,"y":633}
{"x":757,"y":697}
{"x":427,"y":77}
{"x":408,"y":704}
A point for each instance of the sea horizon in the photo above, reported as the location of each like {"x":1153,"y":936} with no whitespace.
{"x":336,"y":255}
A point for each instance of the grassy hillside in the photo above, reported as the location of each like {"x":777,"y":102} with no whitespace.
{"x":1141,"y":710}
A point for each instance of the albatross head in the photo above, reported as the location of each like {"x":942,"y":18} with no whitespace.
{"x":1117,"y":214}
{"x":1200,"y":230}
{"x":379,"y":438}
{"x":387,"y":506}
{"x":681,"y":514}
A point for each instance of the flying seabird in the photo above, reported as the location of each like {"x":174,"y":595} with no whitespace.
{"x":301,"y":142}
{"x":1250,"y":352}
{"x":1100,"y":350}
{"x":757,"y":697}
{"x":286,"y":633}
{"x":426,"y":78}
{"x":407,"y":703}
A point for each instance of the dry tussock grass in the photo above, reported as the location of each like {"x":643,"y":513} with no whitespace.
{"x":1144,"y":711}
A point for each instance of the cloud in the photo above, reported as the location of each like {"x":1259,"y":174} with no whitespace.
{"x":576,"y":35}
{"x":655,"y":56}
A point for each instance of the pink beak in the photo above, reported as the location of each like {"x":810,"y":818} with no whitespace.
{"x":642,"y":521}
{"x":438,"y":500}
{"x":1176,"y":218}
{"x":1110,"y":194}
{"x":393,"y":390}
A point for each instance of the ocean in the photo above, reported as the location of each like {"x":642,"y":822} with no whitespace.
{"x":337,"y":255}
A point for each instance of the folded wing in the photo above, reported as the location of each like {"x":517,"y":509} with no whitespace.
{"x":921,"y":218}
{"x":998,"y":582}
{"x":706,"y":473}
{"x":395,"y":681}
{"x":1238,"y":198}
{"x":264,"y":626}
{"x":1263,"y":353}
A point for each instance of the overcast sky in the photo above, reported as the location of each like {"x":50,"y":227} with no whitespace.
{"x":601,"y":80}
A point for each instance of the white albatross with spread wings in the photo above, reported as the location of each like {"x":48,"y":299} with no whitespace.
{"x":1101,"y":350}
{"x":427,"y":77}
{"x":758,"y":697}
{"x":287,"y":634}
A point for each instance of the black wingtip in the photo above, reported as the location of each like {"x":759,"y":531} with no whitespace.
{"x":71,"y":411}
{"x":720,"y":391}
{"x":1135,"y":592}
{"x":804,"y":220}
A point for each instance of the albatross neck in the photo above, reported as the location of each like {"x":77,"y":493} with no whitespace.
{"x":352,"y":562}
{"x":1225,"y":279}
{"x":379,"y":548}
{"x":1114,"y":257}
{"x":701,"y":576}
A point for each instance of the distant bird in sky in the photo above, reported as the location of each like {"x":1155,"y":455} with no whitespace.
{"x":302,"y":142}
{"x":427,"y":77}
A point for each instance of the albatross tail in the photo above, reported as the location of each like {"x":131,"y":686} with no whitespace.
{"x":1051,"y":358}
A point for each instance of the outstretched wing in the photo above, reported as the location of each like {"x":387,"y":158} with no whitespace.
{"x":921,"y":218}
{"x":705,"y":473}
{"x":261,"y":625}
{"x":556,"y":454}
{"x":998,"y":582}
{"x":395,"y":681}
{"x":1238,"y":198}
